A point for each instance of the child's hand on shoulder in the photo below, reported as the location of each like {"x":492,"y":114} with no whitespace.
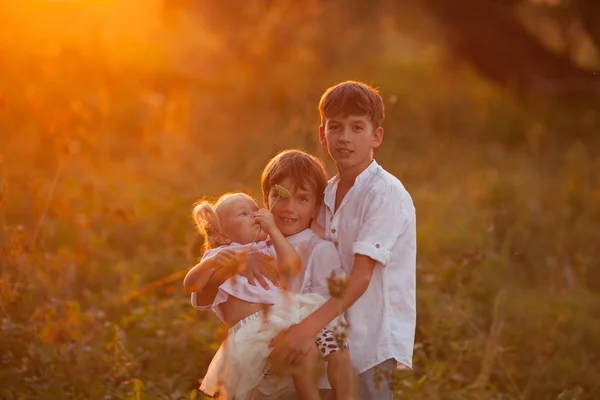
{"x":265,"y":219}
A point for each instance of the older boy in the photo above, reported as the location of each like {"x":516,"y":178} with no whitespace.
{"x":370,"y":217}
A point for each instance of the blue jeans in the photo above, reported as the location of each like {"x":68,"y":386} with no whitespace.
{"x":368,"y":389}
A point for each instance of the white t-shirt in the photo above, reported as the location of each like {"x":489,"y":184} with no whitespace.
{"x":319,"y":258}
{"x":377,"y":218}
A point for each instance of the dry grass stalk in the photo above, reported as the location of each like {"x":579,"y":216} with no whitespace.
{"x":491,"y":346}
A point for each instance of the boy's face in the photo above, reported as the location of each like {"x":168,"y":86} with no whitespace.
{"x":294,"y":214}
{"x":350,"y":141}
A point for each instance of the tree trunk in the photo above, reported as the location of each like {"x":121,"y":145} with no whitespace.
{"x":589,"y":12}
{"x":486,"y":34}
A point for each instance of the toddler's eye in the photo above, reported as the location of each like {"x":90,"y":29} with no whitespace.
{"x":244,"y":213}
{"x":303,"y":199}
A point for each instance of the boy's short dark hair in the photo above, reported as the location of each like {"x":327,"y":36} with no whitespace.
{"x":305,"y":170}
{"x":352,"y":98}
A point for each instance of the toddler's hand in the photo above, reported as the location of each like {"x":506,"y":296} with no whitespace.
{"x":265,"y":219}
{"x":224,"y":258}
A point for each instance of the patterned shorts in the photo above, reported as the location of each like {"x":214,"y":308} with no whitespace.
{"x":327,"y":343}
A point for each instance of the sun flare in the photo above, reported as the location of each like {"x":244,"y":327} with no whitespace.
{"x":117,"y":29}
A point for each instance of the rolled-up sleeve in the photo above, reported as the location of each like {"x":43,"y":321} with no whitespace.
{"x":385,"y":219}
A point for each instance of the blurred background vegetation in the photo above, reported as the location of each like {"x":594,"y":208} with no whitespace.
{"x":115,"y":115}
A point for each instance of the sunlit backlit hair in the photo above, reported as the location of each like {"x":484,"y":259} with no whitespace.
{"x":207,"y":220}
{"x":305,"y":170}
{"x":352,"y":98}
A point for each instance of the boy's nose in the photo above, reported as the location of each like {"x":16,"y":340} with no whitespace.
{"x":344,"y":136}
{"x":286,"y":203}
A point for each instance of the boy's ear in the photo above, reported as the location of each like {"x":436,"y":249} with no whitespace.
{"x":322,"y":136}
{"x":377,"y":137}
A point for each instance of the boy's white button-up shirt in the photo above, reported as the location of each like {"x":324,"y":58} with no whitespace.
{"x":377,"y":218}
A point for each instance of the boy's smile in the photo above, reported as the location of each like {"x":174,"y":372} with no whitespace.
{"x":344,"y":152}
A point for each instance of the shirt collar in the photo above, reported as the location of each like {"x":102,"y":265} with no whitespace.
{"x":333,"y":182}
{"x":363,"y":176}
{"x":257,"y":245}
{"x":300,"y":237}
{"x":293,"y":239}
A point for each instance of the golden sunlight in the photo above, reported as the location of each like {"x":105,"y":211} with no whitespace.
{"x":119,"y":30}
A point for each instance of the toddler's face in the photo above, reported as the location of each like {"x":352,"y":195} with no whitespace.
{"x":294,"y":214}
{"x":236,"y":215}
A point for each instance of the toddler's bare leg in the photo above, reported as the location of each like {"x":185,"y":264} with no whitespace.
{"x":340,"y":374}
{"x":305,"y":376}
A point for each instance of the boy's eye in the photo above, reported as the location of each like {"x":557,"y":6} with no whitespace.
{"x":357,"y":128}
{"x":303,"y":199}
{"x":333,"y":127}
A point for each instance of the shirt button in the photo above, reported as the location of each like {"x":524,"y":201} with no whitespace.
{"x":333,"y":230}
{"x":377,"y":245}
{"x":331,"y":218}
{"x":336,"y":243}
